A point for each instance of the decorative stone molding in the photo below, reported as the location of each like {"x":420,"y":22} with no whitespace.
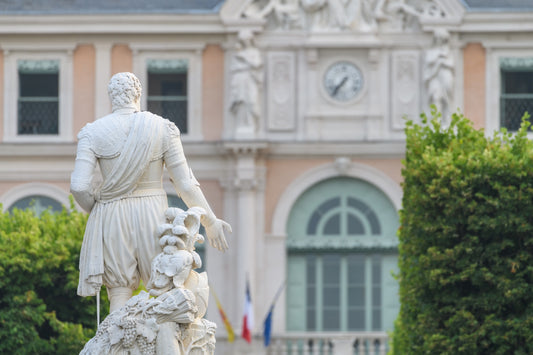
{"x":342,"y":243}
{"x":281,"y":95}
{"x":405,"y":85}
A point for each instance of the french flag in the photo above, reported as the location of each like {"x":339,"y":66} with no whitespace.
{"x":248,"y":319}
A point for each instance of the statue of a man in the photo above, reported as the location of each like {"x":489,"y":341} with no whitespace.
{"x":131,"y":149}
{"x":246,"y":81}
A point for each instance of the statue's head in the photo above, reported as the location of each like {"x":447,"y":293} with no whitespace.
{"x":124,"y":91}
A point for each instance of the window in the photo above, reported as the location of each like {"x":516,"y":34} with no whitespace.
{"x":175,"y":201}
{"x":38,"y":91}
{"x":167,"y":90}
{"x":37,"y":203}
{"x":516,"y":96}
{"x":171,"y":76}
{"x":38,"y":100}
{"x":341,"y":251}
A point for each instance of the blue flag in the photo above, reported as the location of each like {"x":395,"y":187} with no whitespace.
{"x":268,"y":326}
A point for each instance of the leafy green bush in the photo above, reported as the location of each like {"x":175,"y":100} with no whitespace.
{"x":40,"y":312}
{"x":466,"y":241}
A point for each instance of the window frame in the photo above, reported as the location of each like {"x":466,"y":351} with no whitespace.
{"x":191,"y":52}
{"x":62,"y":53}
{"x":25,"y":190}
{"x":493,"y":83}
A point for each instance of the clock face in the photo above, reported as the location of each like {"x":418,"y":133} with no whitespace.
{"x":343,"y":81}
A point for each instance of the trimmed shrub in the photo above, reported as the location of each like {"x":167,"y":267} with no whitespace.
{"x":466,"y":241}
{"x":40,"y":312}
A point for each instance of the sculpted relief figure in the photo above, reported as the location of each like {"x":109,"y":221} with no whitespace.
{"x":245,"y":85}
{"x":131,"y":148}
{"x":439,"y":72}
{"x":318,"y":15}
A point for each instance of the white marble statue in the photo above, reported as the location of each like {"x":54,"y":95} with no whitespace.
{"x":439,"y":73}
{"x":131,"y":149}
{"x":245,"y":85}
{"x":172,"y":322}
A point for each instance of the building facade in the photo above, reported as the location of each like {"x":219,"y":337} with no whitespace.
{"x":292,"y":115}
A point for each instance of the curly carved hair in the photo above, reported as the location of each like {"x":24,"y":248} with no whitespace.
{"x":124,"y":89}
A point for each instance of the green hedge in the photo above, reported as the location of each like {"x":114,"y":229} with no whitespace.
{"x":40,"y":312}
{"x":466,"y":241}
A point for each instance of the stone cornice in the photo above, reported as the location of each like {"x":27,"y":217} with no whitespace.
{"x":389,"y":149}
{"x":106,"y":24}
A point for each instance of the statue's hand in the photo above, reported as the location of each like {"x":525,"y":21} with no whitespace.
{"x":216,"y":234}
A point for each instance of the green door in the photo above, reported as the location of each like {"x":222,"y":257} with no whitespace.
{"x":342,"y":252}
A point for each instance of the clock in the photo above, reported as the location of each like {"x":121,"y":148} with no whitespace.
{"x":343,"y":81}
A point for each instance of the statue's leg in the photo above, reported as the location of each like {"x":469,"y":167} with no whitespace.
{"x":118,"y":296}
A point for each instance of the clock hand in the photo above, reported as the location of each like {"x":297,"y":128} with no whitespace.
{"x":339,"y":86}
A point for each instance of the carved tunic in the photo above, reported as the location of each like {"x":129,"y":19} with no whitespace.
{"x":131,"y":149}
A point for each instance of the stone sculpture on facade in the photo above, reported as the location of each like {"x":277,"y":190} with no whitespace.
{"x":172,"y":322}
{"x":245,"y":86}
{"x":343,"y":15}
{"x":131,"y":148}
{"x":439,"y":73}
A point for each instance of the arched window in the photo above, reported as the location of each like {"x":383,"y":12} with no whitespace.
{"x":175,"y":201}
{"x":342,"y":248}
{"x":38,"y":203}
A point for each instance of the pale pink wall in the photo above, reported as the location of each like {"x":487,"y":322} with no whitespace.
{"x":474,"y":59}
{"x":282,"y":172}
{"x":121,"y":59}
{"x":212,"y":92}
{"x":84,"y":86}
{"x":1,"y":95}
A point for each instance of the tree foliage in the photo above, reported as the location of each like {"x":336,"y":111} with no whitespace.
{"x":466,"y":241}
{"x":40,"y":312}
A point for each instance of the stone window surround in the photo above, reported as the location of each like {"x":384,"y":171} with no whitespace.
{"x":61,"y":52}
{"x":192,"y":52}
{"x":24,"y":190}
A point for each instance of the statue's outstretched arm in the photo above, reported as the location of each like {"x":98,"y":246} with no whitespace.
{"x":189,"y":190}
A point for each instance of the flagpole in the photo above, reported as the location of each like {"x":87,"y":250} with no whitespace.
{"x":267,"y":332}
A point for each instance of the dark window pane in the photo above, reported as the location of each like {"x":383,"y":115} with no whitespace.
{"x":331,"y":320}
{"x":167,"y":96}
{"x":368,"y":212}
{"x":38,"y":203}
{"x":355,"y":226}
{"x":38,"y":117}
{"x":517,"y":82}
{"x":356,"y":320}
{"x":39,"y":85}
{"x":311,"y":319}
{"x":319,"y":212}
{"x":356,"y":269}
{"x":331,"y":273}
{"x":333,"y":225}
{"x":356,"y":296}
{"x":331,"y":296}
{"x":512,"y":109}
{"x":376,"y":319}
